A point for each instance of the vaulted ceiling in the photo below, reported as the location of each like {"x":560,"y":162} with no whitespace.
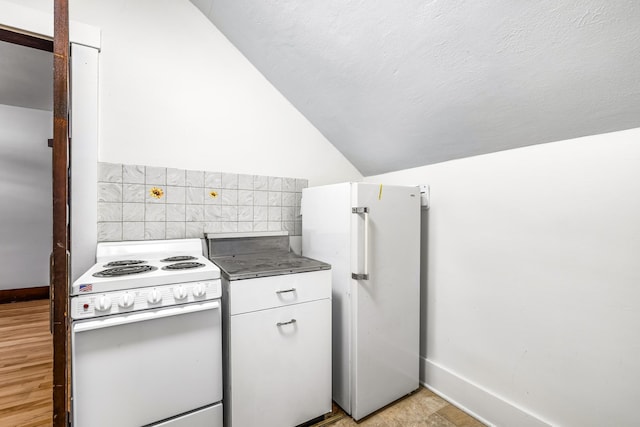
{"x":395,"y":85}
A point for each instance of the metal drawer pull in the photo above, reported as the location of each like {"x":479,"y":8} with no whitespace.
{"x":286,"y":290}
{"x":286,"y":323}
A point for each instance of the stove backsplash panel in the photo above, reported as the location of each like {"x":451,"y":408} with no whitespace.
{"x":147,"y":203}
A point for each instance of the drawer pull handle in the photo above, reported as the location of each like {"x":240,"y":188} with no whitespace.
{"x":292,"y":321}
{"x":286,"y":290}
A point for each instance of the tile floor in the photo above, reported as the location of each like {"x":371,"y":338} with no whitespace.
{"x":420,"y":409}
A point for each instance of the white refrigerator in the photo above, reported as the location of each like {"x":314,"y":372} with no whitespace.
{"x":370,"y":234}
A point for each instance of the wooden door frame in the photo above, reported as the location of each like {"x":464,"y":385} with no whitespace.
{"x":21,"y":21}
{"x":60,"y":254}
{"x":26,"y":40}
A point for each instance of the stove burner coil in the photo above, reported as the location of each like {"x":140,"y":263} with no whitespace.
{"x":183,"y":266}
{"x":178,"y":258}
{"x":124,"y":271}
{"x":124,"y":262}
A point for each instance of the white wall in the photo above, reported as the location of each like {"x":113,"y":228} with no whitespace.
{"x":25,"y":197}
{"x":533,"y":281}
{"x":176,"y":93}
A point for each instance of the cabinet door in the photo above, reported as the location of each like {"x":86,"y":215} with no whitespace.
{"x":281,"y":365}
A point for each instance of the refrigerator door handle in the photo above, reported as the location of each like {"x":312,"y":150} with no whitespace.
{"x":365,"y":274}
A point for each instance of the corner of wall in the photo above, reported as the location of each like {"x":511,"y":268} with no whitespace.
{"x":473,"y":399}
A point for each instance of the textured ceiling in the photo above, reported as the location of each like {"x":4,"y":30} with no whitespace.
{"x":26,"y":77}
{"x":395,"y":85}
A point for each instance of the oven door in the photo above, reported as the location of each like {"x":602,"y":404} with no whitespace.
{"x":159,"y":367}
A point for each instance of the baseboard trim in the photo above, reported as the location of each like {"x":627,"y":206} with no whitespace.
{"x":24,"y":294}
{"x":475,"y":400}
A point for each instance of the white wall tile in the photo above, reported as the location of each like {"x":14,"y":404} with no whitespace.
{"x":175,"y":194}
{"x":133,"y":212}
{"x":154,"y":230}
{"x":155,"y":212}
{"x":245,"y":197}
{"x":275,"y":213}
{"x":213,"y":227}
{"x":261,"y":226}
{"x":245,"y":226}
{"x":245,"y":213}
{"x":289,"y":184}
{"x":133,"y":174}
{"x":194,"y":195}
{"x":109,"y":172}
{"x":213,"y":179}
{"x":274,"y":226}
{"x":275,"y":183}
{"x":175,"y":230}
{"x":229,"y":197}
{"x":275,"y":198}
{"x":194,"y":230}
{"x":260,"y":213}
{"x":109,"y":192}
{"x":109,"y":231}
{"x":133,"y":230}
{"x":176,"y":177}
{"x":229,"y":227}
{"x":195,"y":179}
{"x":176,"y":212}
{"x":245,"y":182}
{"x":195,"y":213}
{"x":155,"y":175}
{"x":288,"y":213}
{"x":261,"y":198}
{"x":229,"y":213}
{"x":288,"y":199}
{"x":133,"y":193}
{"x":212,"y":213}
{"x":230,"y":180}
{"x":243,"y":202}
{"x":111,"y":212}
{"x":261,"y":183}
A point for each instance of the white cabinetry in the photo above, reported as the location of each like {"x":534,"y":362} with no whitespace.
{"x":279,"y":349}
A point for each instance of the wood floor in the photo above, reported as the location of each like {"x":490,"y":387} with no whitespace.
{"x":25,"y":365}
{"x":26,"y":381}
{"x":420,"y":409}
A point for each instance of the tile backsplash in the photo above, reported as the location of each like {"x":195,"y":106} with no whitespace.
{"x":147,"y":203}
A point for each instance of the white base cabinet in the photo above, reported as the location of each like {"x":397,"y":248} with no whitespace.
{"x":279,"y":358}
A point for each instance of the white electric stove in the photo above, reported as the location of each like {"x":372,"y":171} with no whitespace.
{"x":139,"y":264}
{"x":146,"y":337}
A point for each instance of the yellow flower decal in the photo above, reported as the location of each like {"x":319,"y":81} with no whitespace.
{"x":213,"y":194}
{"x":156,"y":192}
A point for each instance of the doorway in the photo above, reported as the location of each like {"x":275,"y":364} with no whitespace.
{"x":26,"y":118}
{"x":26,"y":124}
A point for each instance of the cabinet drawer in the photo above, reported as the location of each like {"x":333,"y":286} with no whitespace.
{"x":280,"y":365}
{"x":276,"y":291}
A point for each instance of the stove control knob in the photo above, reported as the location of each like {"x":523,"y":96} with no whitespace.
{"x":154,"y":297}
{"x":179,"y":293}
{"x":103,"y":303}
{"x":126,"y":301}
{"x":199,"y":290}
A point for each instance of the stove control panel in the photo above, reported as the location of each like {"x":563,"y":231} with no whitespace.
{"x":130,"y":300}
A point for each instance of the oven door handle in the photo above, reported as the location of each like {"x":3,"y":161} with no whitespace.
{"x":117,"y":320}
